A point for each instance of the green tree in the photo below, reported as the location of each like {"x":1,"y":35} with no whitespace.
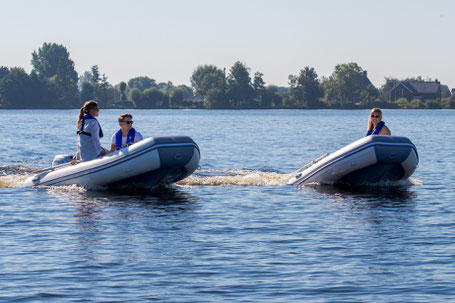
{"x":64,"y":86}
{"x":104,"y":92}
{"x":215,"y":98}
{"x":416,"y":104}
{"x":239,"y":87}
{"x":122,"y":87}
{"x":137,"y":97}
{"x":166,"y":87}
{"x":3,"y":71}
{"x":402,"y":103}
{"x":258,"y":87}
{"x":153,"y":98}
{"x":141,"y":83}
{"x":49,"y":57}
{"x":270,"y":97}
{"x":87,"y":92}
{"x":96,"y":86}
{"x":52,"y":62}
{"x":176,"y":97}
{"x":305,"y":88}
{"x":369,"y":95}
{"x":95,"y":78}
{"x":346,"y":83}
{"x":207,"y":77}
{"x":16,"y":90}
{"x":188,"y":94}
{"x":384,"y":90}
{"x":432,"y":104}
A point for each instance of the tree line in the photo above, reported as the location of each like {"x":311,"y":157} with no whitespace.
{"x":54,"y":83}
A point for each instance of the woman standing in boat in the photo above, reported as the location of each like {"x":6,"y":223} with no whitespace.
{"x":126,"y":135}
{"x":375,"y":124}
{"x":89,"y":133}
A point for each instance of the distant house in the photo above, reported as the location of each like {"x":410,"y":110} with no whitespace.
{"x":416,"y":90}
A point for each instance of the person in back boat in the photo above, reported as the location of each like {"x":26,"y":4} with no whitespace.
{"x":89,"y":133}
{"x":375,"y":124}
{"x":126,"y":135}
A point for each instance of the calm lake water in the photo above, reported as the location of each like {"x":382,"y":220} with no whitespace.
{"x":234,"y":231}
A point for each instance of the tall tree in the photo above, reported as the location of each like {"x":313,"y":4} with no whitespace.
{"x":16,"y":90}
{"x":52,"y":62}
{"x":176,"y":97}
{"x":3,"y":71}
{"x":141,"y":83}
{"x":87,"y":92}
{"x":215,"y":98}
{"x":270,"y":97}
{"x":207,"y":77}
{"x":239,"y":86}
{"x":258,"y":87}
{"x":346,"y":83}
{"x":137,"y":97}
{"x":122,"y":87}
{"x":49,"y":57}
{"x":95,"y":78}
{"x":153,"y":98}
{"x":305,"y":89}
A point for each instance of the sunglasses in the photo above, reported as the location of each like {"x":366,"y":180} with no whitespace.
{"x":374,"y":116}
{"x":127,"y":122}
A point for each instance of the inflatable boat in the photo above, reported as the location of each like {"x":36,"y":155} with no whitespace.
{"x":150,"y":162}
{"x":369,"y":160}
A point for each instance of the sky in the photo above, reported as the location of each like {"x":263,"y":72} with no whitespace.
{"x":167,"y":40}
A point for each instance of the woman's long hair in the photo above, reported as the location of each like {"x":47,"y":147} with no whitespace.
{"x":370,"y":122}
{"x":85,"y":109}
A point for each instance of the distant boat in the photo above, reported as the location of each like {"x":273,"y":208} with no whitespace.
{"x":150,"y":162}
{"x":369,"y":160}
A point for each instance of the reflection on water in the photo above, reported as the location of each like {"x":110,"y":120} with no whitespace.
{"x":394,"y":196}
{"x":115,"y":220}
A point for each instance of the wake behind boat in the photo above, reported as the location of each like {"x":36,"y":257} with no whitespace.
{"x":150,"y":162}
{"x":369,"y":160}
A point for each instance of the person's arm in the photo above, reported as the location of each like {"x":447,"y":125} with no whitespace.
{"x":77,"y":156}
{"x":113,"y":147}
{"x":95,"y":131}
{"x":385,"y":131}
{"x":138,"y":137}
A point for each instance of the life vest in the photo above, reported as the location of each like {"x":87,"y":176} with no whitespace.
{"x":376,"y":130}
{"x":82,"y":132}
{"x":129,"y":138}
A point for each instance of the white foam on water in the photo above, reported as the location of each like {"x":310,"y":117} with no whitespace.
{"x":415,"y":182}
{"x":13,"y":180}
{"x":235,"y":178}
{"x":14,"y":176}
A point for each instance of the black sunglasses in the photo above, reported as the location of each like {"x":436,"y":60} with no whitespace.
{"x":127,"y":122}
{"x":374,"y":116}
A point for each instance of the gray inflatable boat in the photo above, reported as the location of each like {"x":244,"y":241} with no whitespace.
{"x":369,"y":160}
{"x":150,"y":162}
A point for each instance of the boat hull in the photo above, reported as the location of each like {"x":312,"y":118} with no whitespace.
{"x":369,"y":160}
{"x":150,"y":162}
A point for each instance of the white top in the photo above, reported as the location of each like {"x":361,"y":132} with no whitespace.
{"x":89,"y":147}
{"x":138,"y":137}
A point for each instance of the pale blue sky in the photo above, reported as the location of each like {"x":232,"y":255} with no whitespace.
{"x":167,"y":40}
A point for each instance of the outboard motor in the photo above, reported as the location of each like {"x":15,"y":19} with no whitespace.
{"x":61,"y":159}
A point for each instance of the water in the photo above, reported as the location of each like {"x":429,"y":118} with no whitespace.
{"x":234,"y":231}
